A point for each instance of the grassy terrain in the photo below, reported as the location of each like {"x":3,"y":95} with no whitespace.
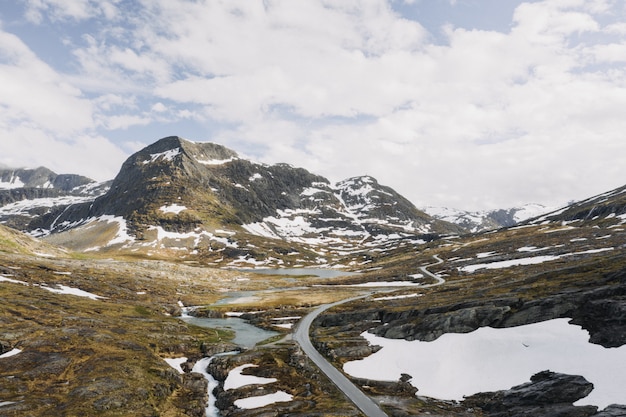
{"x":105,"y":356}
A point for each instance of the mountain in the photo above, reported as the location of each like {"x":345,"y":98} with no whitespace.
{"x":479,"y":221}
{"x":176,"y":197}
{"x":26,"y":194}
{"x":604,"y":210}
{"x":41,"y":178}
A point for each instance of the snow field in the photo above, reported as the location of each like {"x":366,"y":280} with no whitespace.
{"x":487,"y":359}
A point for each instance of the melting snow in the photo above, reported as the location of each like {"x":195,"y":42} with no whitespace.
{"x":14,"y":182}
{"x":397,"y":297}
{"x":263,"y":400}
{"x":173,"y":208}
{"x":216,"y":161}
{"x":457,"y":365}
{"x":236,"y":379}
{"x":176,"y":363}
{"x":63,"y":289}
{"x":10,"y":353}
{"x":14,"y":281}
{"x":167,"y":155}
{"x":527,"y":261}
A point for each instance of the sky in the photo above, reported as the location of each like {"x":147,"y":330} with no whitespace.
{"x":472,"y":104}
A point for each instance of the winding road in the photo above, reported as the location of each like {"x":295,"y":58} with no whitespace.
{"x":354,"y":394}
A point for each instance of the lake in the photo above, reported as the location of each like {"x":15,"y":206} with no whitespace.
{"x":316,"y":272}
{"x":246,"y":335}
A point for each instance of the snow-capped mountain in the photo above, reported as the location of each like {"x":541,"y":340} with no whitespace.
{"x":605,"y":209}
{"x":200,"y":199}
{"x":26,"y":194}
{"x":478,"y":221}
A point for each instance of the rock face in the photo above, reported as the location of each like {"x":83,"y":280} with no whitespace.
{"x":601,"y":311}
{"x":547,"y":394}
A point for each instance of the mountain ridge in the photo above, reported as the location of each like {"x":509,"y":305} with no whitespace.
{"x":202,"y":199}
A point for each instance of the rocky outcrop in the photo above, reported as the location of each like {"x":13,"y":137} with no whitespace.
{"x":601,"y":311}
{"x":547,"y":394}
{"x":613,"y":410}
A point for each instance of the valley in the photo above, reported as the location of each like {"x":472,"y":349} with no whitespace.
{"x":94,"y":290}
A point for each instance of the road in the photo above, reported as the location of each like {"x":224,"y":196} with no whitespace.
{"x":430,"y":274}
{"x":354,"y":394}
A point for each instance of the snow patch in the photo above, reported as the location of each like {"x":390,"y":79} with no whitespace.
{"x":487,"y":359}
{"x":263,"y":400}
{"x":173,"y":208}
{"x":63,"y":289}
{"x":176,"y":363}
{"x":236,"y":379}
{"x":166,"y":156}
{"x":10,"y":353}
{"x":216,"y":161}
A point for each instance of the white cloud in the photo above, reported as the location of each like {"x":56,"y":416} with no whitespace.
{"x":32,"y":92}
{"x":56,"y":10}
{"x":93,"y":156}
{"x":487,"y":119}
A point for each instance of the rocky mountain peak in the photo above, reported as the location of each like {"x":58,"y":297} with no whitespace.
{"x":42,"y":178}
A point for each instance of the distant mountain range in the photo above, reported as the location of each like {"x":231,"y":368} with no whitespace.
{"x":177,"y":197}
{"x":480,"y":221}
{"x":202,"y":202}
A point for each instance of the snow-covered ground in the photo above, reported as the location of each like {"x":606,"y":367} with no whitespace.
{"x":64,"y":289}
{"x":457,"y":365}
{"x":236,"y":379}
{"x":10,"y":353}
{"x":201,"y":368}
{"x":533,"y":260}
{"x":176,"y":363}
{"x":263,"y":400}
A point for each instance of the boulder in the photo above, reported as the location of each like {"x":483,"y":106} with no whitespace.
{"x":547,"y":394}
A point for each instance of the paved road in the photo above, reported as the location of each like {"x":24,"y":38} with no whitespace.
{"x":430,"y":274}
{"x":301,"y":335}
{"x":362,"y":401}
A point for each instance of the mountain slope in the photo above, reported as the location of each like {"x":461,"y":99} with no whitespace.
{"x":177,"y":197}
{"x":479,"y":221}
{"x":40,"y":178}
{"x":607,"y":209}
{"x":26,"y":194}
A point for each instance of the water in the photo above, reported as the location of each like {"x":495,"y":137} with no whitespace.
{"x":457,"y":365}
{"x":246,"y":335}
{"x":317,"y":272}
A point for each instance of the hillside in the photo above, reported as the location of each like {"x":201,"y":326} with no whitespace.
{"x":87,"y":332}
{"x":201,"y":201}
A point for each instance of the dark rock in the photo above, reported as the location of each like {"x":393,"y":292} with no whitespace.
{"x":613,"y":410}
{"x":547,"y":394}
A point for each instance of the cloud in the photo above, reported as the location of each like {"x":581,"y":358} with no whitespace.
{"x":55,"y":10}
{"x":32,"y":92}
{"x":93,"y":156}
{"x":479,"y":119}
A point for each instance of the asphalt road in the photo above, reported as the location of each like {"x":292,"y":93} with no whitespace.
{"x":354,"y":394}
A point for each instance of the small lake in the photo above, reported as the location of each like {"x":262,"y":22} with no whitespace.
{"x":316,"y":272}
{"x":246,"y":335}
{"x":488,"y":359}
